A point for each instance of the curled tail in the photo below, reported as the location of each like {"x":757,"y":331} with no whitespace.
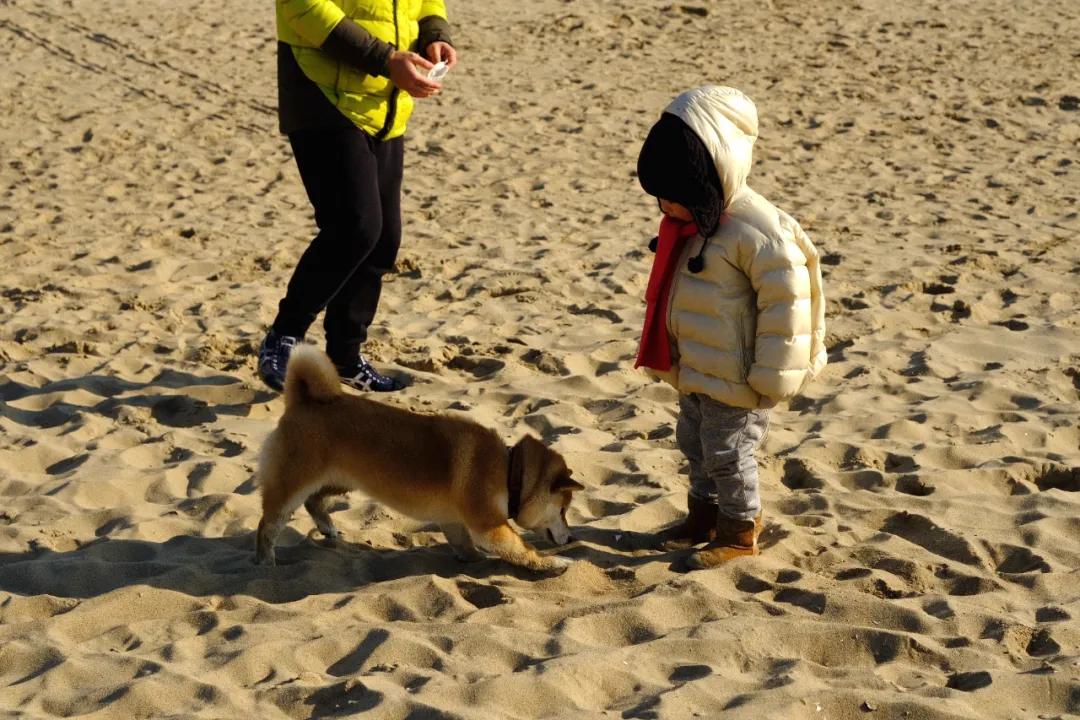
{"x":310,"y":377}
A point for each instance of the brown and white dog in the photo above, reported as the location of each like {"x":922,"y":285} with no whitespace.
{"x":440,"y":468}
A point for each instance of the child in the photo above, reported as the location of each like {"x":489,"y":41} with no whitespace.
{"x":735,"y":316}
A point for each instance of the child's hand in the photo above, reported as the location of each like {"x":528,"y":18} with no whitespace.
{"x":442,"y":52}
{"x":408,"y":71}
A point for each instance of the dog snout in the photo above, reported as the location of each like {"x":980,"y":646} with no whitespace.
{"x":555,"y":539}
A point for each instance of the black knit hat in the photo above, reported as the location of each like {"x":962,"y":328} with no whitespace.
{"x":675,"y":165}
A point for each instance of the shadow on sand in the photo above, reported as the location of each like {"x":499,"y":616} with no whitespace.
{"x":202,"y":566}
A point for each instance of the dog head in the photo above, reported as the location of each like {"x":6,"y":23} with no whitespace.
{"x":547,"y":490}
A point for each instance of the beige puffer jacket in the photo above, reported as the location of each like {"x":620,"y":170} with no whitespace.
{"x":749,"y":329}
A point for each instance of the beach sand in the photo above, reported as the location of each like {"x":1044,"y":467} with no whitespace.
{"x":923,"y":524}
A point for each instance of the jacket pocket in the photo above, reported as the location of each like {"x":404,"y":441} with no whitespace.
{"x":669,"y":311}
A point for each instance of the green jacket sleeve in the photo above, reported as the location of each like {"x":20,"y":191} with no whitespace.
{"x":351,"y":44}
{"x":313,"y":20}
{"x":434,"y":26}
{"x":433,"y":29}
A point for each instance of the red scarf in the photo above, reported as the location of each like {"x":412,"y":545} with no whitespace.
{"x":655,"y":348}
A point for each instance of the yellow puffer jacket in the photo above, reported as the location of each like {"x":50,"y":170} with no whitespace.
{"x":749,"y":329}
{"x":371,"y":102}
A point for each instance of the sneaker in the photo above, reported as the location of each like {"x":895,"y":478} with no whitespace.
{"x":273,"y":357}
{"x":362,"y":376}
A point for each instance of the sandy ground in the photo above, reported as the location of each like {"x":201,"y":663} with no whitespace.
{"x":923,"y":524}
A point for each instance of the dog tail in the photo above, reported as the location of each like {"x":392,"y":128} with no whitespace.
{"x":310,"y":377}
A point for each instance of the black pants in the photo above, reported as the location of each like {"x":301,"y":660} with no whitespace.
{"x":354,"y":184}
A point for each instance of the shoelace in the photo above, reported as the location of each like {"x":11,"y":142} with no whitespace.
{"x":365,"y":369}
{"x":272,"y":354}
{"x":364,"y":375}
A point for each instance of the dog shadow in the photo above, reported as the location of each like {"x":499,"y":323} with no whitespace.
{"x":311,"y":565}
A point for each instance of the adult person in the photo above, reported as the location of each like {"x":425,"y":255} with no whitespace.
{"x":348,"y":71}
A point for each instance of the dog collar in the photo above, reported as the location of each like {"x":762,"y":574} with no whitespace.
{"x":515,"y":477}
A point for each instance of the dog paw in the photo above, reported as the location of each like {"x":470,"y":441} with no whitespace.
{"x":559,"y":563}
{"x":265,"y":560}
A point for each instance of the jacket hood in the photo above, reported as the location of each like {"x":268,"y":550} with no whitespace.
{"x":726,"y":121}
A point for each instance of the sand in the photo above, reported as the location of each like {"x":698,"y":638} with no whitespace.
{"x":923,"y":524}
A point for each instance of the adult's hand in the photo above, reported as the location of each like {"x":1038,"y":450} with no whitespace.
{"x":408,"y":71}
{"x":442,"y":52}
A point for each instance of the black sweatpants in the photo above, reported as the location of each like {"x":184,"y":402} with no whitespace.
{"x":354,"y":184}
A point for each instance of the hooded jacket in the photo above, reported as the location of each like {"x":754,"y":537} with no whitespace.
{"x":749,"y":328}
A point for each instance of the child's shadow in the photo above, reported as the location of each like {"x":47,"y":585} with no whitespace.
{"x":637,"y":548}
{"x":629,"y":548}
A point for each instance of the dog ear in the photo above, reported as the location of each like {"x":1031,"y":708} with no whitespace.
{"x":565,"y":482}
{"x":528,"y":442}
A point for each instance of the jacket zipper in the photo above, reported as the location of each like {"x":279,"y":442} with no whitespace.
{"x":744,"y":365}
{"x":391,"y":110}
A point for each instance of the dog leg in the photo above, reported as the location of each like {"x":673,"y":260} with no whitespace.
{"x":507,"y":544}
{"x":459,"y":539}
{"x":317,"y":506}
{"x":277,"y":509}
{"x":264,"y":540}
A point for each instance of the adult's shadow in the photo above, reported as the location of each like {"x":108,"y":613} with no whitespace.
{"x":171,"y":409}
{"x":202,"y":566}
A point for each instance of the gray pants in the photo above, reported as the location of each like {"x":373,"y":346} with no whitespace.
{"x":719,"y":441}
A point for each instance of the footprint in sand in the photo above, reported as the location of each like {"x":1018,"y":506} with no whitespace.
{"x":545,"y":362}
{"x":180,"y":411}
{"x":854,"y":303}
{"x":914,"y":485}
{"x":67,"y":465}
{"x":922,"y":531}
{"x":1015,"y":323}
{"x":1042,"y":644}
{"x":481,"y":595}
{"x":939,"y":288}
{"x":1059,"y":477}
{"x":969,"y":681}
{"x":815,"y":602}
{"x":853,"y":573}
{"x":968,"y":585}
{"x":688,"y":673}
{"x":939,"y":608}
{"x":1050,"y":614}
{"x":751,"y":584}
{"x":477,"y":367}
{"x":1012,"y":560}
{"x":788,"y":576}
{"x":798,"y":475}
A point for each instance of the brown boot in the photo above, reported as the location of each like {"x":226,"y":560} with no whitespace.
{"x":734,"y":538}
{"x":699,"y":526}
